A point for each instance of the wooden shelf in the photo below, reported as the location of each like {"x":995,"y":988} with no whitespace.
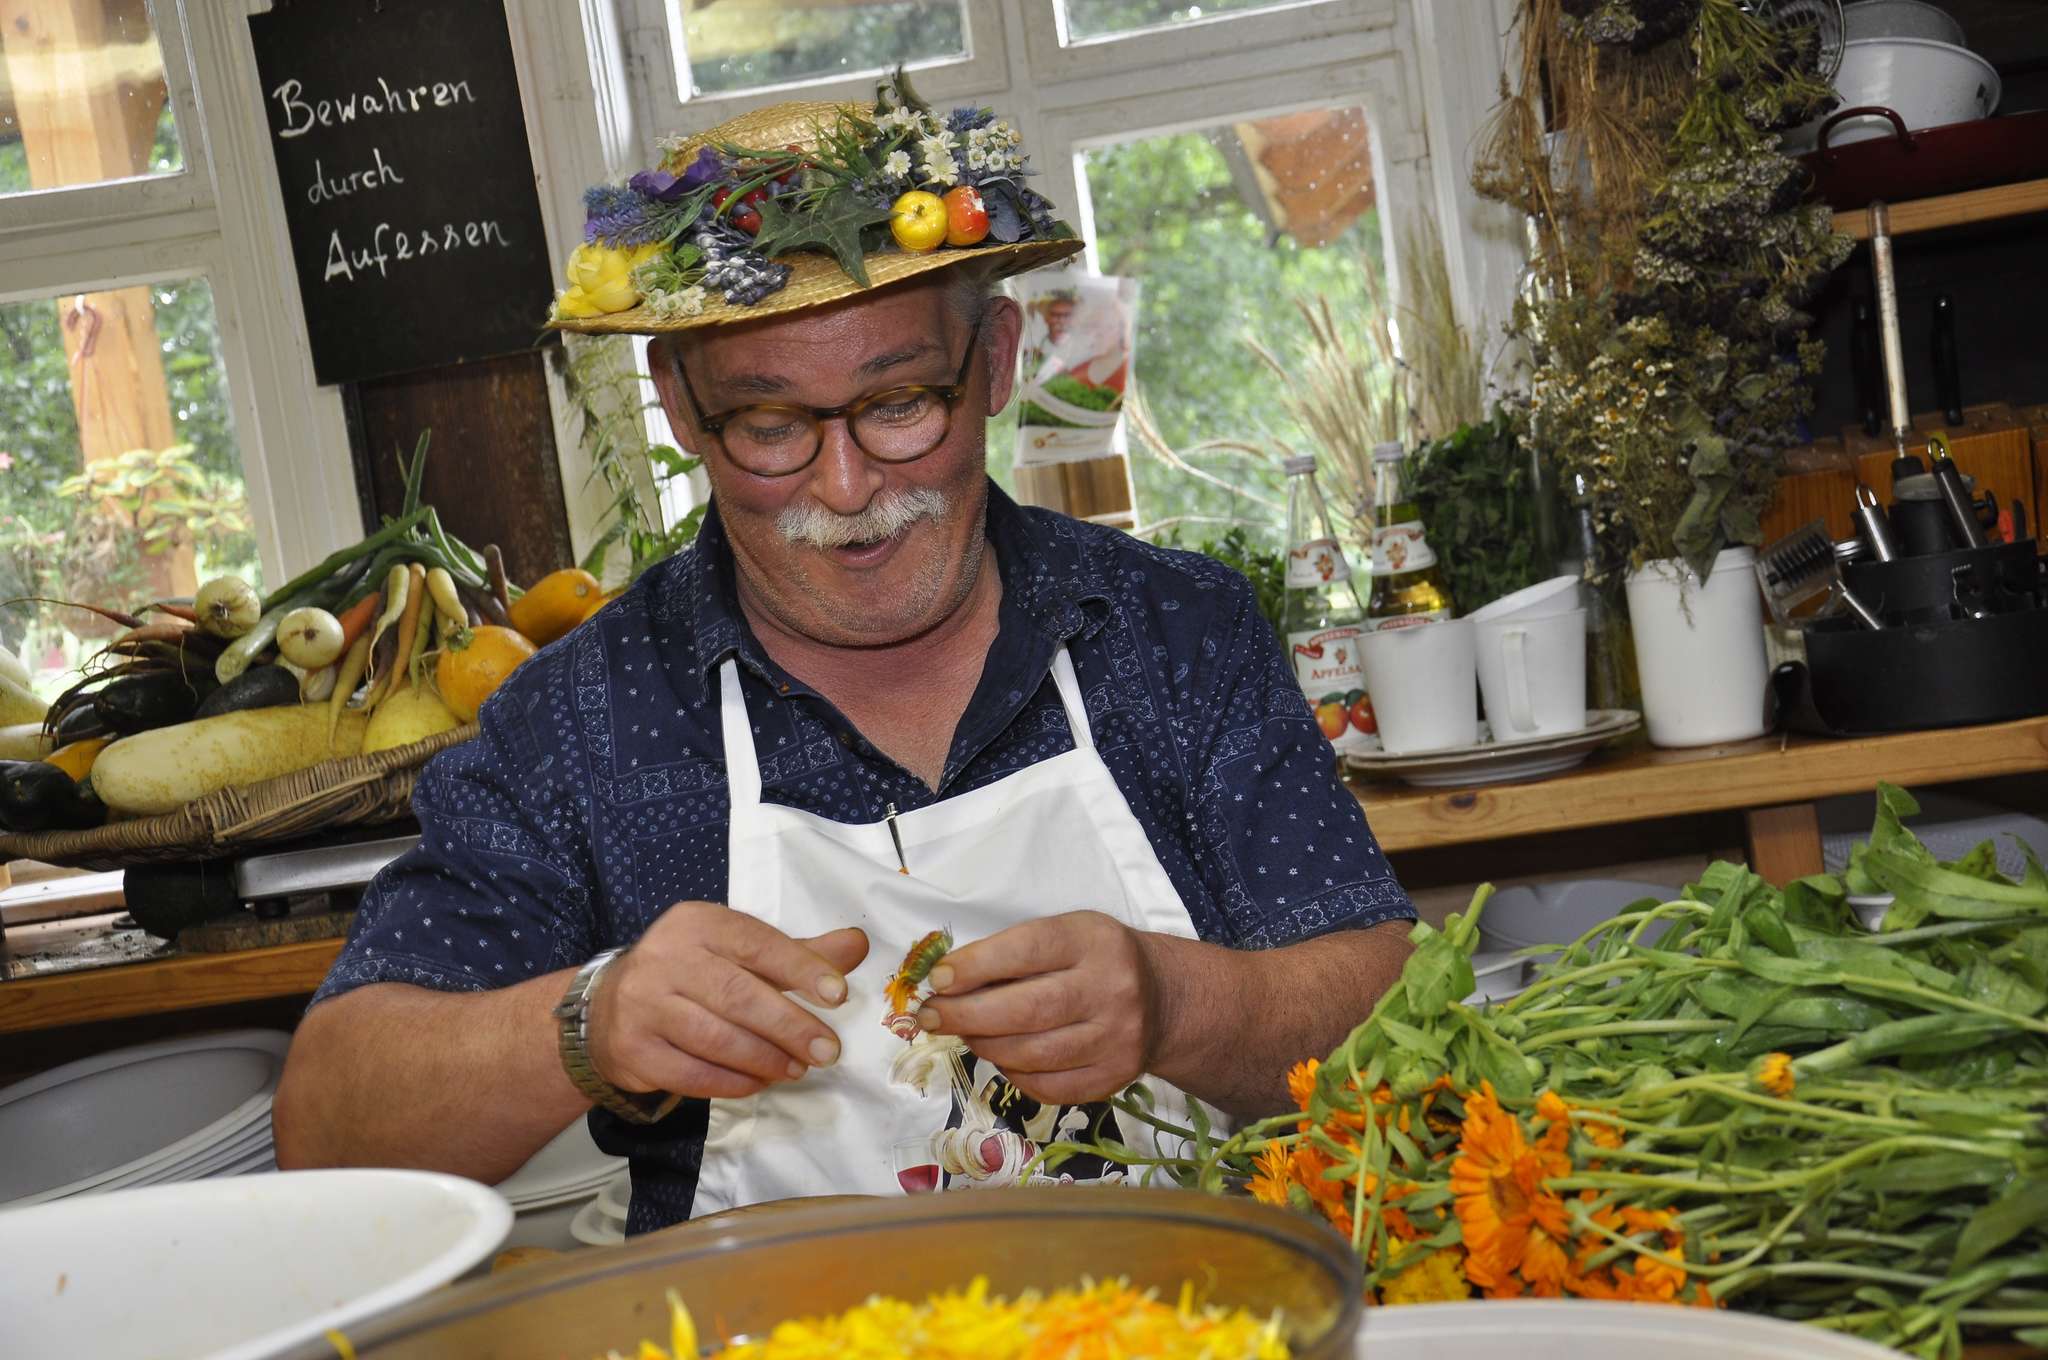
{"x":175,"y":984}
{"x":1952,"y":210}
{"x":1636,"y":785}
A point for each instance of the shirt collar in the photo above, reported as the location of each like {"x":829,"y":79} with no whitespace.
{"x":1055,"y":586}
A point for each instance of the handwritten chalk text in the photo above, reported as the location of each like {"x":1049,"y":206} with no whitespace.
{"x":327,"y":188}
{"x":389,"y":246}
{"x":301,"y":117}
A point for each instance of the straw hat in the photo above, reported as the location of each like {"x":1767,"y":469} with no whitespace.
{"x":816,"y":277}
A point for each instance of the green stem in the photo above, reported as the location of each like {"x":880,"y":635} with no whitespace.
{"x":340,"y":558}
{"x":1572,"y":1033}
{"x":1788,"y":1181}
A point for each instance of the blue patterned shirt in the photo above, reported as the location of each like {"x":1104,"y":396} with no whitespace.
{"x":595,"y":795}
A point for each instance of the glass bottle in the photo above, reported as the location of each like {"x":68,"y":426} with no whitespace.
{"x":1407,"y":585}
{"x":1323,"y":619}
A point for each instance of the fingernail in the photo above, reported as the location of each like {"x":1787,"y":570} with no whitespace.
{"x":941,"y":978}
{"x":927,"y":1019}
{"x":831,"y":989}
{"x":824,"y":1052}
{"x":796,"y":1069}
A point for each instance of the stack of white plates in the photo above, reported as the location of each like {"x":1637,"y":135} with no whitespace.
{"x":602,"y":1222}
{"x":555,"y":1183}
{"x":181,"y":1110}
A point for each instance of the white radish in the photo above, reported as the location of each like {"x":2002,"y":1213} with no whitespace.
{"x":309,"y":638}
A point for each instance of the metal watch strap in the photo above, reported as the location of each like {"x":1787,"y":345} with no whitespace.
{"x":572,"y":1017}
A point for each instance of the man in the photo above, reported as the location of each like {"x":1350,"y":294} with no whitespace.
{"x":875,"y":702}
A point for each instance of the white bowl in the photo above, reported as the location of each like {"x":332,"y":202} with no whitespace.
{"x":1900,"y":19}
{"x":1576,"y":1329}
{"x":1558,"y":595}
{"x":234,"y":1269}
{"x":1928,"y":84}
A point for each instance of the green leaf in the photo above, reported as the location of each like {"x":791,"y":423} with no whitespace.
{"x":832,"y":223}
{"x":1437,"y":974}
{"x":1985,"y":981}
{"x":1980,"y":863}
{"x":2021,"y":1208}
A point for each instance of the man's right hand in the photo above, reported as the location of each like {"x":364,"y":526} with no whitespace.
{"x":697,"y":1007}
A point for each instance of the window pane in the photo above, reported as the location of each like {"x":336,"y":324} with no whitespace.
{"x":1087,"y":19}
{"x":727,"y":46}
{"x":1226,"y":230}
{"x":120,"y":479}
{"x":82,"y":96}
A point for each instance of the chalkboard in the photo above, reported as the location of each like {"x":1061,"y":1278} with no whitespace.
{"x":408,"y":186}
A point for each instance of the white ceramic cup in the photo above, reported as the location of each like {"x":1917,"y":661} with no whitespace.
{"x":1700,"y":650}
{"x":1558,"y":595}
{"x":1532,"y":674}
{"x":1421,"y":681}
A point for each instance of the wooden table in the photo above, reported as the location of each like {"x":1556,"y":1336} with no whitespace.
{"x":1772,"y":782}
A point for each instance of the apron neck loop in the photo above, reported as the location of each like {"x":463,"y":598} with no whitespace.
{"x":742,"y":766}
{"x":1069,"y":686}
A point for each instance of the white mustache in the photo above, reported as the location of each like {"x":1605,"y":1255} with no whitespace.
{"x":812,"y":525}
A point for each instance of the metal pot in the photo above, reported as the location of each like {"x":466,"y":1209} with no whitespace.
{"x":1928,"y":84}
{"x":1900,"y":19}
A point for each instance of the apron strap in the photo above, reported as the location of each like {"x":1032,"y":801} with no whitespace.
{"x":1069,"y":686}
{"x":742,"y":766}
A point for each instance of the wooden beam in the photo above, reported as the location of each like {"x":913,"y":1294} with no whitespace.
{"x":1784,"y":842}
{"x":183,"y":983}
{"x":1952,"y":210}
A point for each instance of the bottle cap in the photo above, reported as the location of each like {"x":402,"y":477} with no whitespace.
{"x":1389,"y":452}
{"x":1296,"y":464}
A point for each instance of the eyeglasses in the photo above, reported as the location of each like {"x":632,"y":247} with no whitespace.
{"x":899,"y":425}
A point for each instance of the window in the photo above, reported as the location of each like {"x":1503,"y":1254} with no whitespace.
{"x":729,"y":46}
{"x":1082,"y":20}
{"x":150,"y":342}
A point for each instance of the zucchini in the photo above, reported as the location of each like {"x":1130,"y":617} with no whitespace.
{"x":35,"y":796}
{"x":164,"y":769}
{"x":138,"y":703}
{"x":257,"y":687}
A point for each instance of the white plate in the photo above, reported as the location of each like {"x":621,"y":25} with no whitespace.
{"x":569,"y":1164}
{"x":1499,"y":762}
{"x":594,"y":1228}
{"x":1576,"y":1329}
{"x":575,"y":1194}
{"x":234,"y":1269}
{"x":256,"y":1143}
{"x":79,"y":1126}
{"x":617,"y":1195}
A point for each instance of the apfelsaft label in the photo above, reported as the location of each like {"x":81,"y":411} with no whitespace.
{"x":1318,"y":562}
{"x":1331,"y":673}
{"x":1400,"y":547}
{"x":1406,"y":620}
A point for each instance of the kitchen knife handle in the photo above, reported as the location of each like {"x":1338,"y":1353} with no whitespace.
{"x":1948,"y":373}
{"x":1888,"y":323}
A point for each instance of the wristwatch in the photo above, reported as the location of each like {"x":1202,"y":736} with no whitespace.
{"x":572,"y":1016}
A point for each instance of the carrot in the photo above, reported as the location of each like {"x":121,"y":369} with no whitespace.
{"x":501,"y":588}
{"x":408,"y":629}
{"x":352,"y":664}
{"x":174,"y":609}
{"x":153,"y":632}
{"x":356,"y":619}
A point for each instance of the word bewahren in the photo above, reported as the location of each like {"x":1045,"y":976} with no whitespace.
{"x":301,"y":117}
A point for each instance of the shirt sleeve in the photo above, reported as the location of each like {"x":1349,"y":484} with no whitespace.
{"x":1290,"y":851}
{"x":498,"y":889}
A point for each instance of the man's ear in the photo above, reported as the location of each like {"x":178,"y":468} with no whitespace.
{"x":1001,"y":328}
{"x":663,"y":360}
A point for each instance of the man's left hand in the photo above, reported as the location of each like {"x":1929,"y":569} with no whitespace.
{"x":1066,"y":1006}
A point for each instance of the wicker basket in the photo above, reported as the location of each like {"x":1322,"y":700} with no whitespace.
{"x":354,"y":791}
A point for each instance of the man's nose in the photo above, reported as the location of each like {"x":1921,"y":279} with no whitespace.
{"x":844,"y":479}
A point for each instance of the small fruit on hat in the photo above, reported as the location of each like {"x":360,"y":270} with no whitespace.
{"x":966,"y":216}
{"x":918,"y":220}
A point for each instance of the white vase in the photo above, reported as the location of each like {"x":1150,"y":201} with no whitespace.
{"x":1700,"y":650}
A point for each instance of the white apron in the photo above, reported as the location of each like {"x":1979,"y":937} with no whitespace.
{"x":1054,"y":837}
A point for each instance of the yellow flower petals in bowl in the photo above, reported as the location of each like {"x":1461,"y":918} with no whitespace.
{"x":601,"y":279}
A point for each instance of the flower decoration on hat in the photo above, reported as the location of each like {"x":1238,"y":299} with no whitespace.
{"x":723,"y":225}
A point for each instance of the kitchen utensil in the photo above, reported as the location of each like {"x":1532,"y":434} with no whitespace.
{"x":1901,"y":417}
{"x":1423,"y":682}
{"x":1802,"y":567}
{"x":1576,"y":1329}
{"x":1872,"y":527}
{"x":1919,"y":520}
{"x":1948,"y":377}
{"x":1488,"y":761}
{"x":1900,"y":19}
{"x":1920,"y":588}
{"x":235,"y":1269}
{"x":1964,"y":602}
{"x":1927,"y":84}
{"x":1558,"y":595}
{"x":1902,"y":165}
{"x":1532,"y":674}
{"x":747,"y":1277}
{"x":1950,"y":674}
{"x":1864,"y":367}
{"x":1948,"y":480}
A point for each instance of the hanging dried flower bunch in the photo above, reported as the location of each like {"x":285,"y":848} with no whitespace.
{"x":1674,"y":252}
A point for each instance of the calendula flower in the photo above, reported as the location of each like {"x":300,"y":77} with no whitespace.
{"x":1272,"y":1177}
{"x":1301,"y":1082}
{"x":1437,"y":1278}
{"x":1774,"y":1074}
{"x":1497,"y":1181}
{"x":896,"y":165}
{"x":601,"y":279}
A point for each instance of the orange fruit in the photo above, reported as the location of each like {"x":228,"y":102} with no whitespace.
{"x":77,"y":759}
{"x":475,"y":662}
{"x":556,"y":603}
{"x":601,"y":601}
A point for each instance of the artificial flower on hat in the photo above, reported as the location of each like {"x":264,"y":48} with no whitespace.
{"x":802,"y":204}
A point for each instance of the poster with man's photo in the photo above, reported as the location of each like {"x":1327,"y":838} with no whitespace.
{"x":1080,"y":332}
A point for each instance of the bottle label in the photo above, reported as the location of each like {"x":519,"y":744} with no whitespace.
{"x":1400,"y":547}
{"x":1406,"y":620}
{"x":1331,"y":673}
{"x":1315,"y":564}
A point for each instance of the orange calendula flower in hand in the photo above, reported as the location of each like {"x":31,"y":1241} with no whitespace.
{"x":916,"y":967}
{"x":1774,"y":1074}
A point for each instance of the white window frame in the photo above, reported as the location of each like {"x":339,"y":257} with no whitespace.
{"x":220,"y":218}
{"x":1290,"y":22}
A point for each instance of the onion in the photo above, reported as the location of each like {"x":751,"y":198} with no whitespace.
{"x":309,"y":638}
{"x":227,"y":606}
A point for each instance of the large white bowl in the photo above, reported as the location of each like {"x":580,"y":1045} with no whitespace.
{"x":234,"y":1269}
{"x":1572,"y":1329}
{"x":1900,"y":19}
{"x":1928,"y":84}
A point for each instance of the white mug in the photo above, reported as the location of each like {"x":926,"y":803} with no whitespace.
{"x":1558,"y":595}
{"x":1421,"y":681}
{"x":1532,"y":674}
